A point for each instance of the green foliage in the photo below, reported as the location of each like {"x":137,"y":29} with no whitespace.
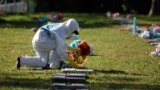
{"x":120,"y":62}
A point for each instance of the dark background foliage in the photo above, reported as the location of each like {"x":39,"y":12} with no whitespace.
{"x":97,"y":6}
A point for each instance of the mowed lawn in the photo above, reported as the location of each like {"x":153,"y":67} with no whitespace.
{"x":121,"y":60}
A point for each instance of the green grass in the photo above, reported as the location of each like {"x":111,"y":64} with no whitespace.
{"x":120,"y":62}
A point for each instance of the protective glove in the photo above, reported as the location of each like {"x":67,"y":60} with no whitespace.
{"x":70,"y":49}
{"x":70,"y":59}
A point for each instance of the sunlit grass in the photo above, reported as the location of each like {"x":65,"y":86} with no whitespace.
{"x":120,"y":62}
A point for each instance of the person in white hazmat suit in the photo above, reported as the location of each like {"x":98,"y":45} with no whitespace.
{"x":49,"y":45}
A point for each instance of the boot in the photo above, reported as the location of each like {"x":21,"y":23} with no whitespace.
{"x":18,"y":63}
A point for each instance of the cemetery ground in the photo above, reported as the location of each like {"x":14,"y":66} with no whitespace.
{"x":121,"y":60}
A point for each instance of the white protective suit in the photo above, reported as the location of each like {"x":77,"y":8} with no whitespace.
{"x":49,"y":44}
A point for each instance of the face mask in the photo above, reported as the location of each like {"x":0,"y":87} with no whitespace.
{"x":76,"y":32}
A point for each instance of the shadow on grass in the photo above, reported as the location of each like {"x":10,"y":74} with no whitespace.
{"x":13,"y":81}
{"x":18,"y":24}
{"x":36,"y":83}
{"x":120,"y":80}
{"x":110,"y":72}
{"x":118,"y":72}
{"x":98,"y":24}
{"x":31,"y":24}
{"x":125,"y":86}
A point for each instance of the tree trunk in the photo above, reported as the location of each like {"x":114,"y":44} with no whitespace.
{"x":151,"y":9}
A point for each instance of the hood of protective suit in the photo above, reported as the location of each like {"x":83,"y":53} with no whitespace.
{"x":71,"y":26}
